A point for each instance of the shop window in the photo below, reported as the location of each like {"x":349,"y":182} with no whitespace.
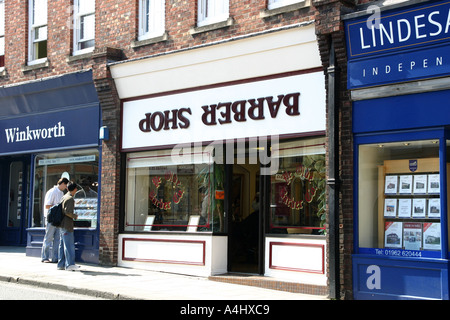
{"x":37,"y":31}
{"x":80,"y":167}
{"x":273,"y":4}
{"x":2,"y":33}
{"x":297,"y":198}
{"x":171,"y":193}
{"x":84,"y":26}
{"x":151,"y":18}
{"x":399,"y":197}
{"x":212,"y":11}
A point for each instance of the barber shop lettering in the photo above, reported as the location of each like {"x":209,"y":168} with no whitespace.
{"x":223,"y":113}
{"x":178,"y":193}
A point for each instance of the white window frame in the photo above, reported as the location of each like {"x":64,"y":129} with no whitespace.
{"x":33,"y":26}
{"x":274,"y":4}
{"x":2,"y":30}
{"x":212,"y":11}
{"x":78,"y":16}
{"x":152,"y":16}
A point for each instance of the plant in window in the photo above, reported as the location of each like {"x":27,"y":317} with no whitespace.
{"x":318,"y":163}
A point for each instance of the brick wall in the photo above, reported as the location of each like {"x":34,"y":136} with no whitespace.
{"x":116,"y":29}
{"x":329,"y":27}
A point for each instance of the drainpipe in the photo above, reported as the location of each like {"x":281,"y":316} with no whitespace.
{"x":333,"y":203}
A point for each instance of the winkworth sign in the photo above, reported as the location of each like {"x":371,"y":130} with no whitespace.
{"x":399,"y":46}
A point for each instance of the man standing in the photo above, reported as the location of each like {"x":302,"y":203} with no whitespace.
{"x":52,"y":197}
{"x":67,"y":244}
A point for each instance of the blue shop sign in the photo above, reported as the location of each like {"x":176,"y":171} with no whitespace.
{"x":393,"y":31}
{"x":405,"y":66}
{"x":51,"y":130}
{"x":399,"y":46}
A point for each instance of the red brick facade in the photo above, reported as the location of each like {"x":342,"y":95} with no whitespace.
{"x":116,"y":34}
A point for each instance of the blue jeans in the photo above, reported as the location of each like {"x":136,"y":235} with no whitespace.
{"x":66,"y":249}
{"x":51,"y":239}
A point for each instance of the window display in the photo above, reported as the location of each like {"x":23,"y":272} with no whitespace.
{"x":79,"y":166}
{"x":399,"y":195}
{"x":165,"y":192}
{"x":298,"y":188}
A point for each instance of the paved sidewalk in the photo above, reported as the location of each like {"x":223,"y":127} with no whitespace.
{"x":124,"y":283}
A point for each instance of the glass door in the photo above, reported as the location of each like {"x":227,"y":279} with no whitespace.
{"x":14,"y":201}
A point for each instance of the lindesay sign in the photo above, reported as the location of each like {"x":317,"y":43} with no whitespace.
{"x":409,"y":28}
{"x":271,"y":107}
{"x":399,"y":45}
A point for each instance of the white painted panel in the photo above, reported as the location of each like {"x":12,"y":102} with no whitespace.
{"x":272,"y":53}
{"x":301,"y":257}
{"x":164,"y":251}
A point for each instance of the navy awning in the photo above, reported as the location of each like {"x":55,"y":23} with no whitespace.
{"x":49,"y":114}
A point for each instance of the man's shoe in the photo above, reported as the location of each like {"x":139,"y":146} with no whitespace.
{"x":45,"y":261}
{"x":73,"y":267}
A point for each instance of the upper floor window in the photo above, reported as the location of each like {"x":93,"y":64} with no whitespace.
{"x":2,"y":33}
{"x":84,"y":26}
{"x":212,"y":11}
{"x":151,"y":18}
{"x":273,"y":4}
{"x":37,"y":31}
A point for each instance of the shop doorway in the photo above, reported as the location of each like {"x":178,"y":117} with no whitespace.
{"x":244,"y":220}
{"x":14,"y":185}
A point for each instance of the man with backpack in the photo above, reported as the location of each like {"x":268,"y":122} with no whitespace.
{"x":67,"y":244}
{"x":52,"y":197}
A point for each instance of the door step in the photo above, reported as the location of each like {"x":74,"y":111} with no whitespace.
{"x":270,"y":283}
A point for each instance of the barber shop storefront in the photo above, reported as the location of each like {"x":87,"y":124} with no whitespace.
{"x":49,"y":129}
{"x":398,"y":74}
{"x":228,"y":174}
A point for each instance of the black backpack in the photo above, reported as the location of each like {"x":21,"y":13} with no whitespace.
{"x":55,"y":215}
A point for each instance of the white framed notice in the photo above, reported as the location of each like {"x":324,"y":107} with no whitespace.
{"x":390,"y":208}
{"x":420,"y":184}
{"x":432,"y":236}
{"x":193,"y":223}
{"x":434,"y":184}
{"x":412,"y":235}
{"x":404,"y":208}
{"x":149,"y":223}
{"x":405,"y":184}
{"x":393,"y":234}
{"x":434,"y":208}
{"x":419,"y":208}
{"x":390,"y":186}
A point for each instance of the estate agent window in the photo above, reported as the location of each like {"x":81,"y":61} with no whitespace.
{"x":37,"y":31}
{"x":80,"y":167}
{"x":399,"y":196}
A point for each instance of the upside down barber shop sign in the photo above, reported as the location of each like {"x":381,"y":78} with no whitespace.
{"x":287,"y":105}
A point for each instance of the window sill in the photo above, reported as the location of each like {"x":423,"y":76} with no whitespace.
{"x":78,"y":57}
{"x":266,"y":13}
{"x":145,"y":42}
{"x":34,"y":66}
{"x":213,"y":26}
